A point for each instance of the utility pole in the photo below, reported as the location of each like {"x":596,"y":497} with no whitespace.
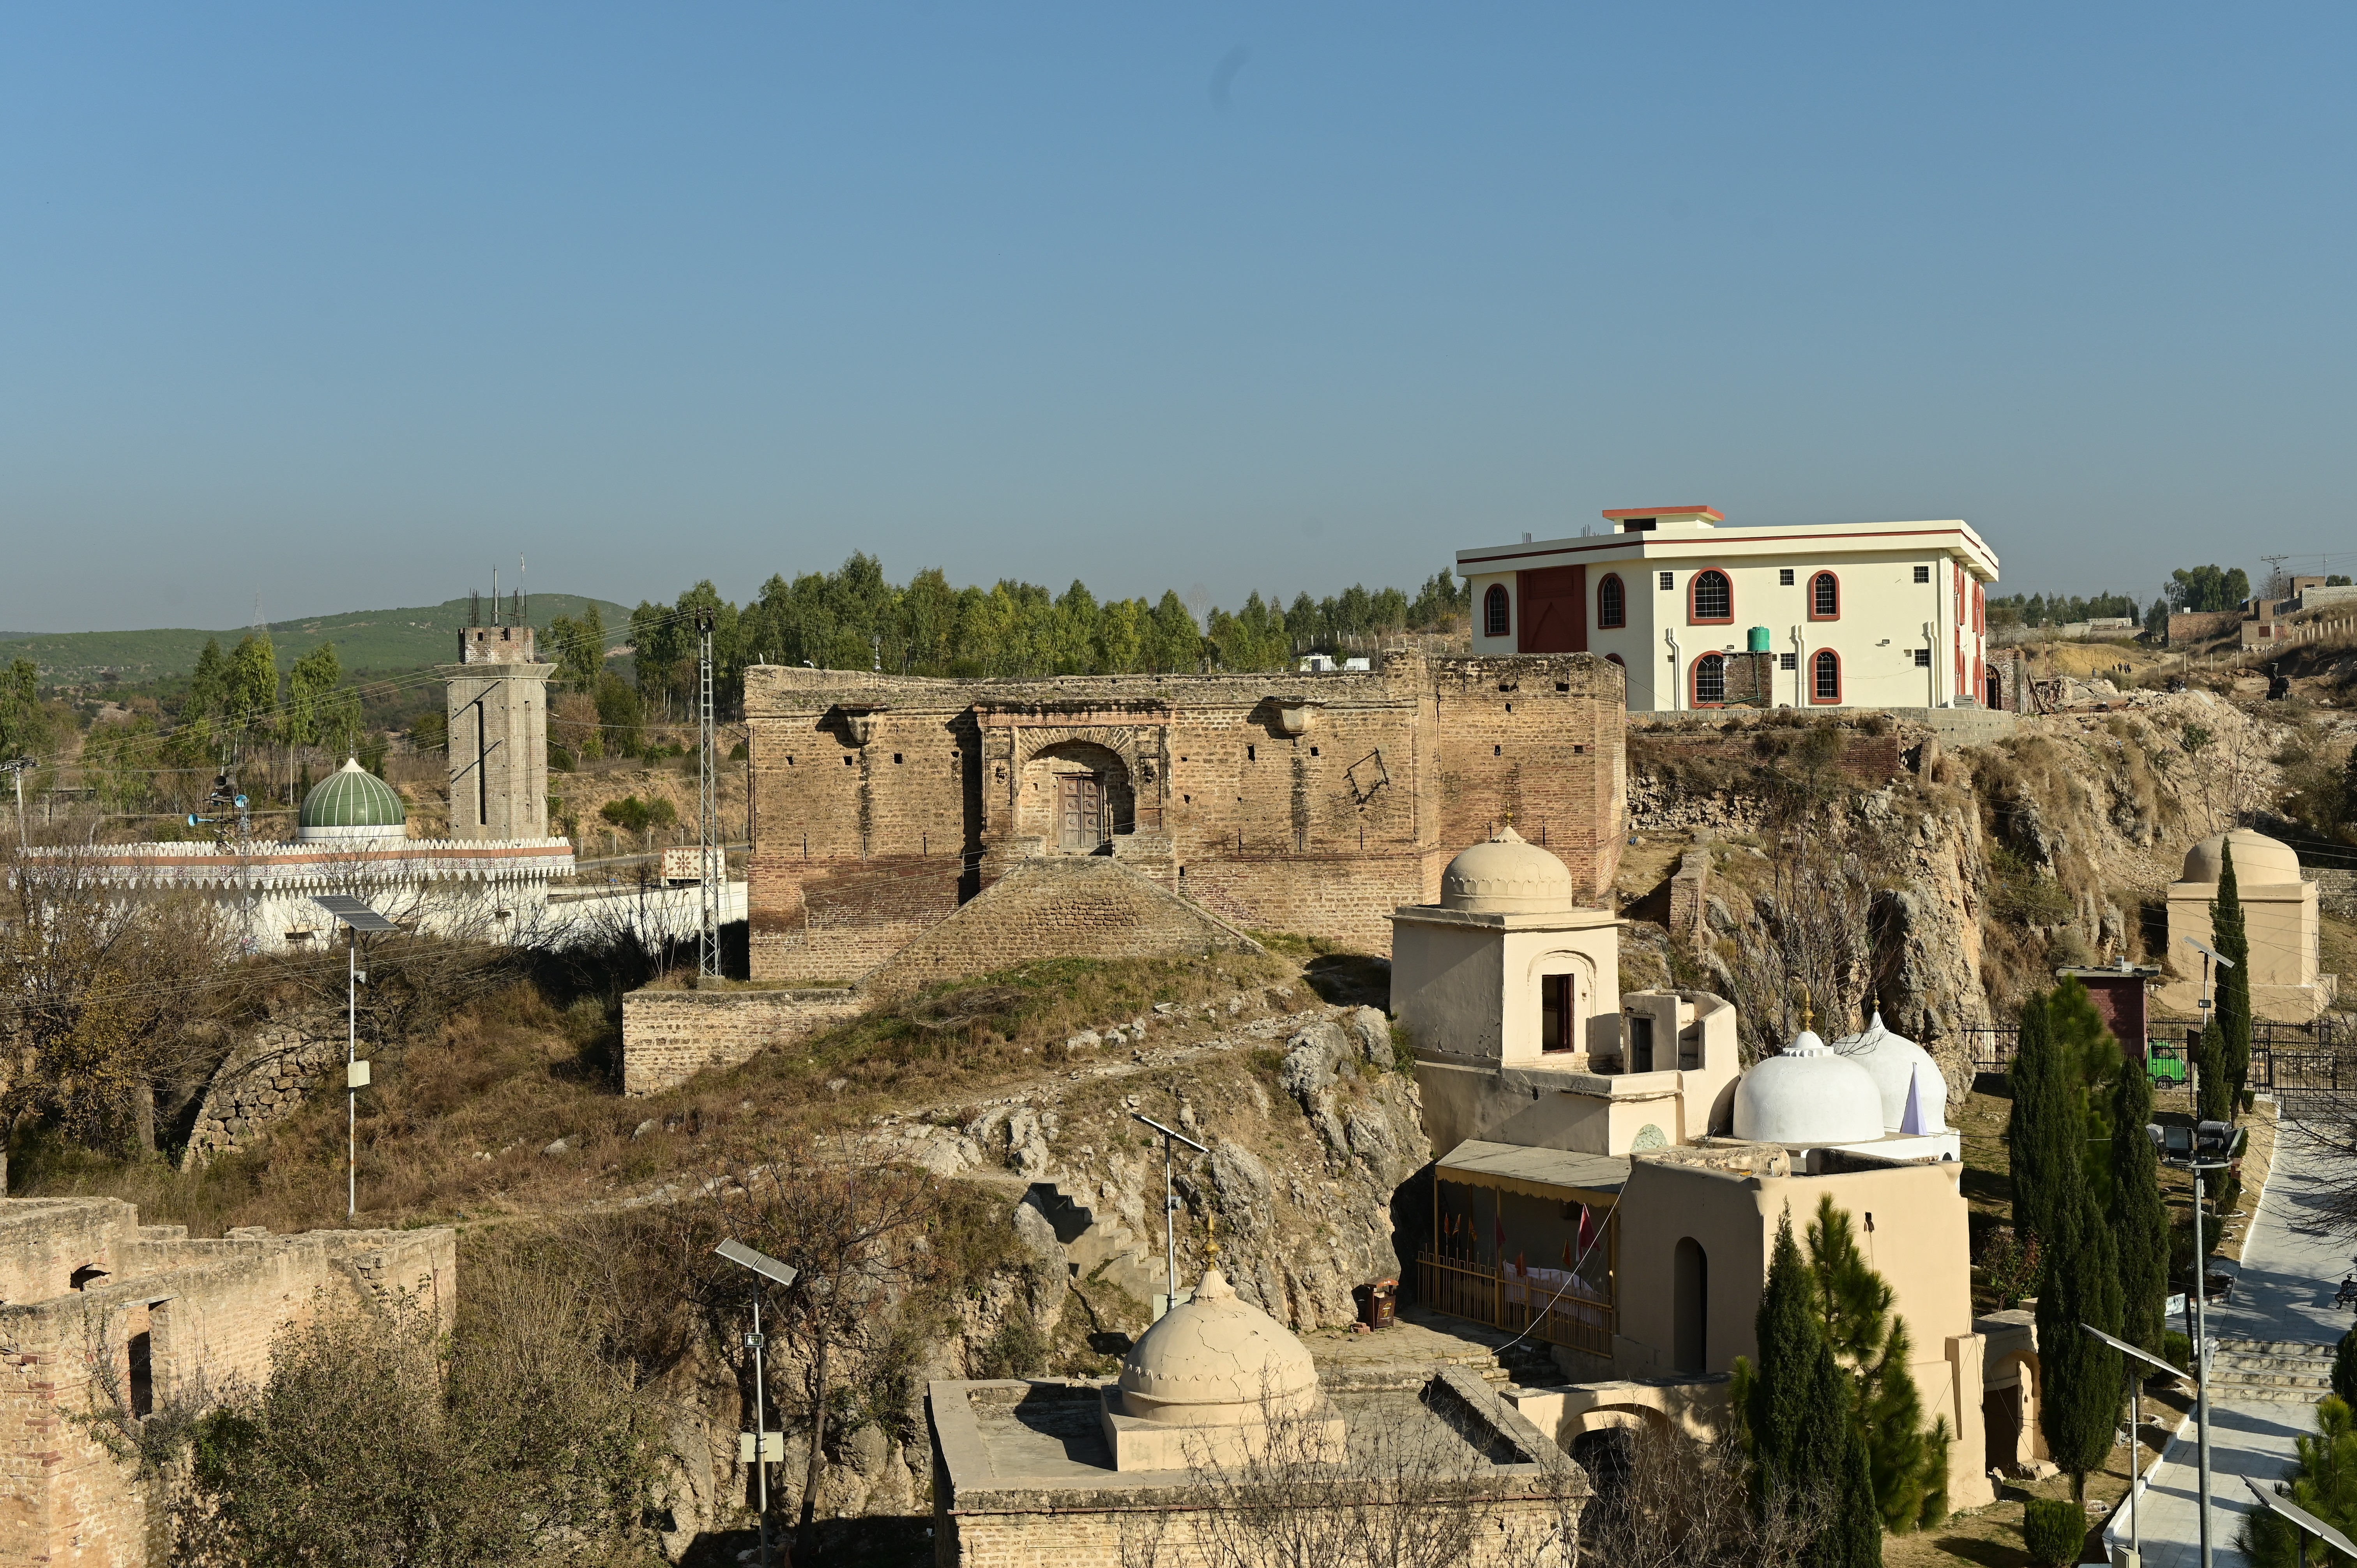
{"x":17,"y":766}
{"x":356,"y":916}
{"x":712,"y":859}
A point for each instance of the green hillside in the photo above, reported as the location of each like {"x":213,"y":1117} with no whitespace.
{"x":372,"y":641}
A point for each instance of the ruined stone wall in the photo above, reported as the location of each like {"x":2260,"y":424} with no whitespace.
{"x":208,"y":1310}
{"x":1308,"y":803}
{"x":669,"y":1036}
{"x":261,"y":1082}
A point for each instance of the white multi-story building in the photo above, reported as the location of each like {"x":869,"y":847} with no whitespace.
{"x":1817,"y":615}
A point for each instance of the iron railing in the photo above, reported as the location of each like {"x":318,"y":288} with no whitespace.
{"x":1503,"y":1300}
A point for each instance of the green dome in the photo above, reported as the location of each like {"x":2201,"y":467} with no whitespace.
{"x":352,"y":802}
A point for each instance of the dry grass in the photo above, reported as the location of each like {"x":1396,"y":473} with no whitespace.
{"x":457,"y":1123}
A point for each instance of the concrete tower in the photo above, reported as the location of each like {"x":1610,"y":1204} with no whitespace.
{"x":499,"y":735}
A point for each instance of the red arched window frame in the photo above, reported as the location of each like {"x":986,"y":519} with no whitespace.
{"x":1825,"y":670}
{"x":1497,"y":614}
{"x":1616,"y":659}
{"x":1713,"y":667}
{"x":1611,"y":602}
{"x":1825,"y":589}
{"x":1710,"y":584}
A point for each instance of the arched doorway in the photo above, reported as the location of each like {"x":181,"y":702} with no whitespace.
{"x":1076,"y":797}
{"x":1690,"y":1306}
{"x":1996,"y":690}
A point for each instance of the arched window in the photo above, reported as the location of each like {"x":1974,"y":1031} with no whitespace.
{"x":1689,"y":1307}
{"x":1497,"y":619}
{"x":1712,"y":598}
{"x":1616,"y":659}
{"x":1710,"y":681}
{"x":1611,"y":602}
{"x":1824,"y":676}
{"x":1824,"y":597}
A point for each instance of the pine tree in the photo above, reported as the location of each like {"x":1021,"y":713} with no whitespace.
{"x":2140,"y":1223}
{"x":1909,"y":1465}
{"x":2081,"y":1410}
{"x":1797,"y":1416}
{"x":2044,"y":1132}
{"x":2216,"y":1101}
{"x":2232,"y":942}
{"x":2344,"y":1368}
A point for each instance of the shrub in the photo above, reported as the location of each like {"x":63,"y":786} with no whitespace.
{"x":2053,"y":1528}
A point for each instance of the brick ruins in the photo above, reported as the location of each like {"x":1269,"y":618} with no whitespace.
{"x":100,"y":1312}
{"x":1307,"y":804}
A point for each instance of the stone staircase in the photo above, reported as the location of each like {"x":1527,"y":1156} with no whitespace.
{"x":1101,"y":1246}
{"x":2288,"y":1371}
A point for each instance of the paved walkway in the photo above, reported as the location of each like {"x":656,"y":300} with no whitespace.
{"x":2291,"y":1269}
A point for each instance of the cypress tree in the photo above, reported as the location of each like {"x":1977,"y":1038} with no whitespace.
{"x":2083,"y":1375}
{"x":1797,"y":1412}
{"x":2216,"y":1101}
{"x":2140,"y":1223}
{"x":2344,"y":1368}
{"x":2044,"y":1134}
{"x":2232,"y":940}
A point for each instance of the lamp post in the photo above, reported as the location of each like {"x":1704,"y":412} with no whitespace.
{"x":1169,"y":1203}
{"x":2204,"y":1146}
{"x":2136,"y":1425}
{"x":356,"y":916}
{"x":767,"y":1268}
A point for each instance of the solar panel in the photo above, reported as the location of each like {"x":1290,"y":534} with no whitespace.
{"x":353,"y":912}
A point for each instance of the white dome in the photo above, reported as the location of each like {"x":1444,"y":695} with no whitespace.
{"x":1808,"y":1095}
{"x":2260,"y":861}
{"x":1508,"y":875}
{"x":1894,"y":1062}
{"x":1216,"y":1359}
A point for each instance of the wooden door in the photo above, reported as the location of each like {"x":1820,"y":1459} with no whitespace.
{"x":1079,"y":810}
{"x":1555,"y":611}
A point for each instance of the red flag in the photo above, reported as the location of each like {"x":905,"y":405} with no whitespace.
{"x":1587,"y":1229}
{"x":1567,"y":1254}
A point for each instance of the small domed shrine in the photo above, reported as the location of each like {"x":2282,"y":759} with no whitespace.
{"x":1915,"y":1090}
{"x":1204,"y":1382}
{"x":2281,"y":911}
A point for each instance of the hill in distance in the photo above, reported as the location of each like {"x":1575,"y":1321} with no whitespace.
{"x":376,"y":641}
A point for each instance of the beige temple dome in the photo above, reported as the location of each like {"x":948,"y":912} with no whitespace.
{"x":1808,"y":1094}
{"x":2260,"y":861}
{"x":1508,"y":875}
{"x":1216,"y":1360}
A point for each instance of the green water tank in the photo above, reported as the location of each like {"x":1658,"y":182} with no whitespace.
{"x":1759,"y":643}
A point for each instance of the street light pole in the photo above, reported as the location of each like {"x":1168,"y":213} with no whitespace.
{"x":784,"y":1274}
{"x":1169,"y":1203}
{"x":356,"y":916}
{"x":2136,"y":1425}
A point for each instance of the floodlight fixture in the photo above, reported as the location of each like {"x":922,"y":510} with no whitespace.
{"x":2125,"y":1349}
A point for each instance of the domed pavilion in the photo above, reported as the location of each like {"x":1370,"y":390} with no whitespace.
{"x":2280,"y":911}
{"x":1203,"y":1384}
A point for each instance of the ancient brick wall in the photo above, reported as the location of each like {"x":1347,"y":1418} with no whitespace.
{"x":1309,"y":803}
{"x":207,"y":1312}
{"x":669,"y":1036}
{"x":1058,"y":907}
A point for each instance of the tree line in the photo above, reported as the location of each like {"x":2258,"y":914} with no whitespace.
{"x":854,"y":618}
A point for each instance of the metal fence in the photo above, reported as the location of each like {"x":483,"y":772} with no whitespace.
{"x":2316,"y":1056}
{"x":1487,"y":1295}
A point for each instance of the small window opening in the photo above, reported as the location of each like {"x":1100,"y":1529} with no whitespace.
{"x":1784,"y":577}
{"x":142,"y":1374}
{"x":1922,"y":574}
{"x":1558,"y":1020}
{"x":1252,"y":753}
{"x":1641,"y":1043}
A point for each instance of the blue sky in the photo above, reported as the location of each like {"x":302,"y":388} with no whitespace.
{"x":340,"y":303}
